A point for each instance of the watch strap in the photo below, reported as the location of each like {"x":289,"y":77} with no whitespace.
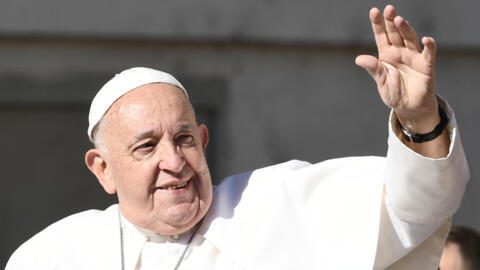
{"x":419,"y":138}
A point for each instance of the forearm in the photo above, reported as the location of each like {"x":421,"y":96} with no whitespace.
{"x":423,"y":189}
{"x":421,"y":193}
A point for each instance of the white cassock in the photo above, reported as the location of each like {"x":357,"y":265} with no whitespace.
{"x":348,"y":213}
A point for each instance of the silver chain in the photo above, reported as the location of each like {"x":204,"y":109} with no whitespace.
{"x":122,"y":255}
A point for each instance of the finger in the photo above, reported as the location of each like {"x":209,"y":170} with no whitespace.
{"x":393,"y":33}
{"x":371,"y":65}
{"x":429,"y":49}
{"x":408,"y":33}
{"x":368,"y":62}
{"x":378,"y":27}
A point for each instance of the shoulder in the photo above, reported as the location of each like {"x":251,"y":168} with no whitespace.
{"x":63,"y":236}
{"x":69,"y":226}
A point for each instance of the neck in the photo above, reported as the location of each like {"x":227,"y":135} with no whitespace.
{"x":156,"y":236}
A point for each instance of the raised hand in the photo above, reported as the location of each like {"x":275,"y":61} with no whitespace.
{"x":405,"y":74}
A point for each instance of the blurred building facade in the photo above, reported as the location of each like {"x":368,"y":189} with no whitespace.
{"x":273,"y":80}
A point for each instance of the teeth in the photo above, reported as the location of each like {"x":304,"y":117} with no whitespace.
{"x":177,"y":186}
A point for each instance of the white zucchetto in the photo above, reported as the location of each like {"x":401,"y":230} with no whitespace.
{"x":121,"y":84}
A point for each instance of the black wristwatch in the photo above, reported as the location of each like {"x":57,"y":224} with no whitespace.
{"x":419,"y":138}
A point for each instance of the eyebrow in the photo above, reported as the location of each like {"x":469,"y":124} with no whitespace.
{"x":140,"y":137}
{"x":185,"y":127}
{"x":143,"y":135}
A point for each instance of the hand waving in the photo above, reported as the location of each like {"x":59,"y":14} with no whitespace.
{"x":404,"y":73}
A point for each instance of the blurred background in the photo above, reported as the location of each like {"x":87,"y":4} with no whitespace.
{"x":273,"y":79}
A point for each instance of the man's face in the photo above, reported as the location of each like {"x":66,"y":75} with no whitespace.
{"x":451,"y":258}
{"x":155,"y":159}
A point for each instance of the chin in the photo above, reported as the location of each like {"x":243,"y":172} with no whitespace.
{"x":181,"y":220}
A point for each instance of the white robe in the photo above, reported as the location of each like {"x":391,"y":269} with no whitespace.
{"x":348,"y":213}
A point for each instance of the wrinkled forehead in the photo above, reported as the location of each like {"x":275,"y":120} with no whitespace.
{"x":155,"y":108}
{"x":122,"y":84}
{"x":151,"y":100}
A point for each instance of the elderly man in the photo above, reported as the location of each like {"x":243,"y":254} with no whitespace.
{"x":350,"y":213}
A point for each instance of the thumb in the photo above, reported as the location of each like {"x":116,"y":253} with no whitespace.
{"x":374,"y":67}
{"x":429,"y":49}
{"x":369,"y":63}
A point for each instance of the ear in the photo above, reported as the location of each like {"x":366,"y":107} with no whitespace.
{"x":203,"y":136}
{"x":98,"y":166}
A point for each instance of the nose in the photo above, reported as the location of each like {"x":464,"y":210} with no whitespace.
{"x":172,"y":158}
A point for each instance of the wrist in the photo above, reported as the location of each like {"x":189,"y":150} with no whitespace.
{"x":433,"y":133}
{"x":420,"y":125}
{"x":420,"y":121}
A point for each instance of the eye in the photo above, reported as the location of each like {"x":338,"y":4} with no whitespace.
{"x":185,"y":140}
{"x":145,"y":147}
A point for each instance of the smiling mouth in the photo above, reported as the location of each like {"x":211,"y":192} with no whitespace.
{"x":179,"y":186}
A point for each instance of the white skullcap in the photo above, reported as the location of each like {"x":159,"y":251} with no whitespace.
{"x":121,"y":84}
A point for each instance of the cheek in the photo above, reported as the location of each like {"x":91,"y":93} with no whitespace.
{"x":203,"y":173}
{"x":199,"y":164}
{"x":134,"y":177}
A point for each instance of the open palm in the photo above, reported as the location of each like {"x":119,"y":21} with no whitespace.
{"x":403,"y":72}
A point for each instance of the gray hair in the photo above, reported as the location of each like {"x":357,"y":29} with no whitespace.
{"x":98,"y":139}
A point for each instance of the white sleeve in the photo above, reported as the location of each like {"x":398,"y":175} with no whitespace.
{"x":421,"y":194}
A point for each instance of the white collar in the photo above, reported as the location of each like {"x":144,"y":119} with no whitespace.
{"x":134,"y":239}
